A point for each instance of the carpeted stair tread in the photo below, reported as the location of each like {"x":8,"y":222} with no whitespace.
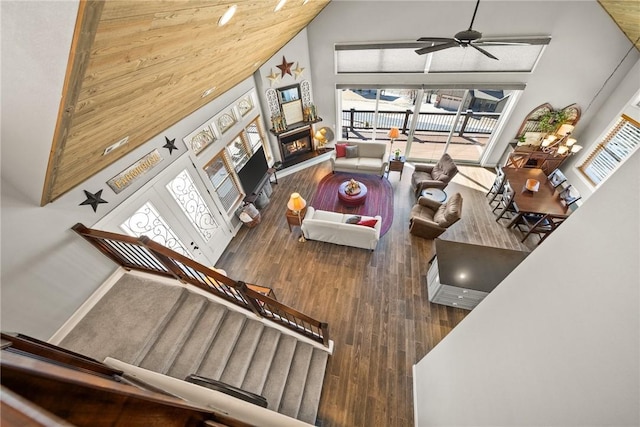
{"x":164,"y":350}
{"x":262,"y":357}
{"x":294,"y":387}
{"x":106,"y":329}
{"x":278,"y":372}
{"x":222,"y":346}
{"x":308,"y":411}
{"x":240,"y":359}
{"x":196,"y":347}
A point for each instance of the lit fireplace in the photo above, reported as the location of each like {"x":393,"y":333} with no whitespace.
{"x":295,"y":143}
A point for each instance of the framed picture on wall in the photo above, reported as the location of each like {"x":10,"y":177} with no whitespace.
{"x":200,"y":138}
{"x":292,"y":112}
{"x":226,"y":119}
{"x":246,"y":103}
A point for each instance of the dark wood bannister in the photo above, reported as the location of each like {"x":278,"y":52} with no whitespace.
{"x":143,"y":254}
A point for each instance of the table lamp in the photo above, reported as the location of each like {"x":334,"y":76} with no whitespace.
{"x":296,"y":204}
{"x":321,"y":137}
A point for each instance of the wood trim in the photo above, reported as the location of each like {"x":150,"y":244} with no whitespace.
{"x":89,"y":12}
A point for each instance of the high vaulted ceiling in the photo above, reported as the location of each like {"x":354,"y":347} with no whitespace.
{"x":138,"y":67}
{"x":626,"y":13}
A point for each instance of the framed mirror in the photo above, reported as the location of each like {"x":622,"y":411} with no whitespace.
{"x":288,"y":94}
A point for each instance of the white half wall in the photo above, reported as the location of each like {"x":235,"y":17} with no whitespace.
{"x":557,"y":342}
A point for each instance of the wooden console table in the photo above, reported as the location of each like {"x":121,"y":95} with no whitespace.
{"x":461,"y":275}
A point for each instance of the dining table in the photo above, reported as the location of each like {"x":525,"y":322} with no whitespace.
{"x":545,"y":200}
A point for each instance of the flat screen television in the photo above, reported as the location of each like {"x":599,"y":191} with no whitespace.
{"x":253,"y":172}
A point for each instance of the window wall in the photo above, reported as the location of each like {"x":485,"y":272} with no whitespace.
{"x":430,"y":121}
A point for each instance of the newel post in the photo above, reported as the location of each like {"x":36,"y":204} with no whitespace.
{"x":241,"y":287}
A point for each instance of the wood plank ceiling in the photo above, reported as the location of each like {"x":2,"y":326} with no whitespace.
{"x":138,"y":67}
{"x":626,"y":13}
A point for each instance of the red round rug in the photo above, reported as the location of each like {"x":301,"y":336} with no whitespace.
{"x":379,"y":197}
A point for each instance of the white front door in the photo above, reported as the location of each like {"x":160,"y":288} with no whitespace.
{"x":176,"y":211}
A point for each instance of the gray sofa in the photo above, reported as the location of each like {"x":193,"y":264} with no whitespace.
{"x":331,"y":227}
{"x":371,"y":157}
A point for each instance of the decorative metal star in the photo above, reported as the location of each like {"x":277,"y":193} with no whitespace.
{"x":273,"y":77}
{"x":171,"y":144}
{"x":285,"y":67}
{"x":298,"y":70}
{"x":93,"y":199}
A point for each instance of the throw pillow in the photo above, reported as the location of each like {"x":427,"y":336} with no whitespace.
{"x":368,"y":222}
{"x":341,"y":150}
{"x":352,"y":151}
{"x":353,"y":219}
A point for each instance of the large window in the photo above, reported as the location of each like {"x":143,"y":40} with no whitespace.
{"x":622,"y":140}
{"x":227,"y":189}
{"x":401,"y":57}
{"x":431,"y":121}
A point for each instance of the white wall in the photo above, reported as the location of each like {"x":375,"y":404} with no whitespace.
{"x":623,"y":99}
{"x":586,"y":47}
{"x":557,"y":342}
{"x":47,"y":270}
{"x":296,"y":51}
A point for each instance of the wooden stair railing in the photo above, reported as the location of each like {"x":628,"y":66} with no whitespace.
{"x":40,"y":391}
{"x":143,"y":254}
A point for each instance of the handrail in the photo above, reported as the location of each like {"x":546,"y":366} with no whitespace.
{"x":143,"y":254}
{"x":472,"y":122}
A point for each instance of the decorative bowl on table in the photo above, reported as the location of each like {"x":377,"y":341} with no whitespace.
{"x":532,"y":184}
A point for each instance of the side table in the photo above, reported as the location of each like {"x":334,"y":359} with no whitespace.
{"x":396,"y":165}
{"x":435,"y":194}
{"x":294,"y":219}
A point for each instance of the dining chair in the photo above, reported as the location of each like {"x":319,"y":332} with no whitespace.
{"x":569,"y":195}
{"x":556,"y":178}
{"x":496,"y":187}
{"x":542,"y":225}
{"x":506,"y":204}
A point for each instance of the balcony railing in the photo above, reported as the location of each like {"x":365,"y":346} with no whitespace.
{"x":469,"y":121}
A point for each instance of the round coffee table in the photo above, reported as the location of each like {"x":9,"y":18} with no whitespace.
{"x":352,"y":199}
{"x":435,"y":194}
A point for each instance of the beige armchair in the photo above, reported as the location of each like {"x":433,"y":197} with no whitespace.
{"x":429,"y":218}
{"x":433,"y":176}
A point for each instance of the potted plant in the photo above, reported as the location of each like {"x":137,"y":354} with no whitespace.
{"x":397,"y":153}
{"x":551,"y":120}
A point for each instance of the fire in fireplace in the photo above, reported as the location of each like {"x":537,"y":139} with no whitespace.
{"x":295,"y":143}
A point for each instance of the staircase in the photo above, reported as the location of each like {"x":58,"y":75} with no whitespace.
{"x":173,"y":331}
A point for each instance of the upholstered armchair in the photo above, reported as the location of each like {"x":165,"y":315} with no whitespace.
{"x":433,"y":176}
{"x":429,"y":218}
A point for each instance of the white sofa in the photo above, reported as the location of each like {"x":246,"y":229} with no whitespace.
{"x":372,"y":158}
{"x":331,"y":227}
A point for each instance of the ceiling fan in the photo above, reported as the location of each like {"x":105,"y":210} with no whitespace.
{"x":468,"y":37}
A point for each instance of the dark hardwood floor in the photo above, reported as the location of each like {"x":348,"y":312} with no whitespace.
{"x":374,"y":302}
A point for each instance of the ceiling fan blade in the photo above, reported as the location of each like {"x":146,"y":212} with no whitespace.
{"x":515,"y":41}
{"x":435,"y":39}
{"x":436,"y":48}
{"x":483,"y":51}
